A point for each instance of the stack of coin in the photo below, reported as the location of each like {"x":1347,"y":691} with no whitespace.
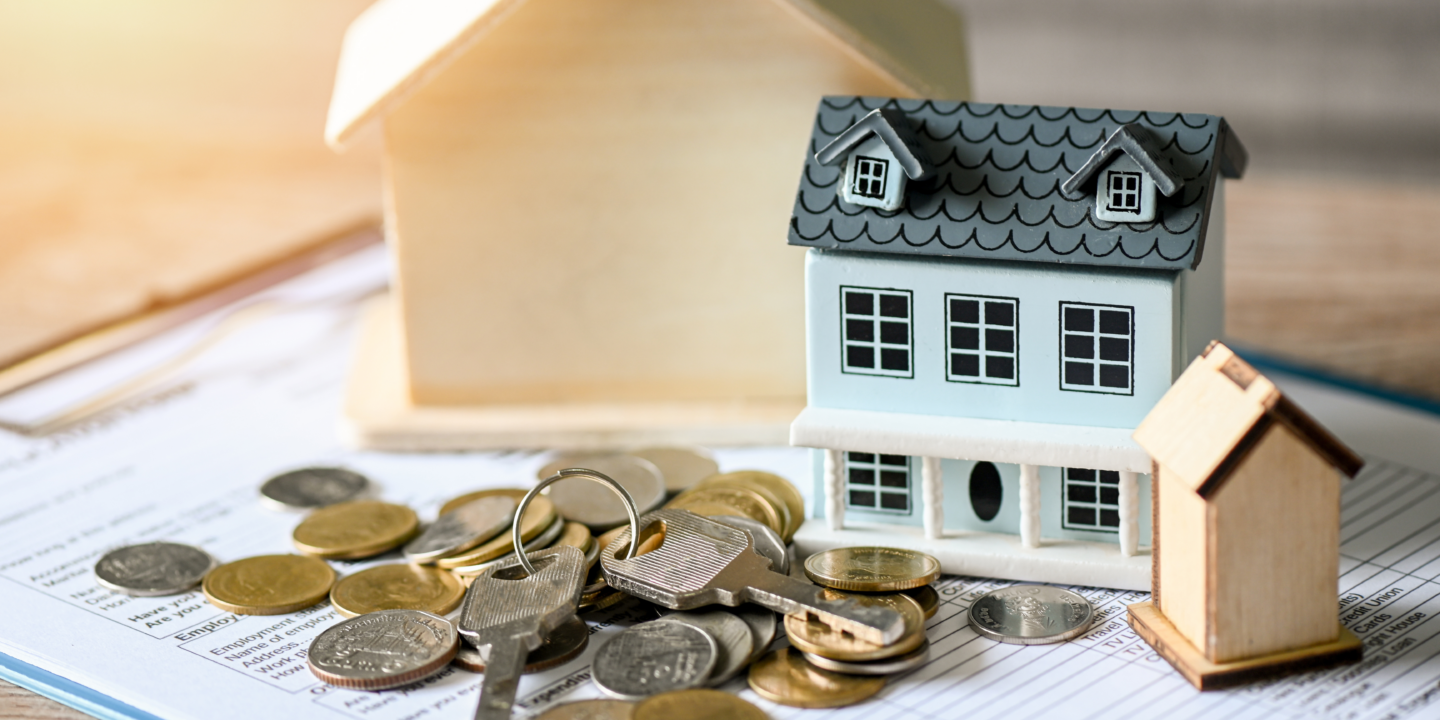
{"x":682,"y":651}
{"x":680,"y":468}
{"x":760,"y":496}
{"x":688,"y":704}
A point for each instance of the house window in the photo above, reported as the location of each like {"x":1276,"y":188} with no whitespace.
{"x":875,"y":327}
{"x":1092,"y":500}
{"x":877,"y":482}
{"x":868,"y":179}
{"x":983,"y":339}
{"x":1097,"y":348}
{"x":1124,"y":195}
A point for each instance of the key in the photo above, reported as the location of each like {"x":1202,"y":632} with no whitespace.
{"x":506,"y":615}
{"x":703,"y":562}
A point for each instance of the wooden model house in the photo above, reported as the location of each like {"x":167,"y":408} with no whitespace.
{"x":1247,"y":523}
{"x":579,"y":197}
{"x":995,"y":297}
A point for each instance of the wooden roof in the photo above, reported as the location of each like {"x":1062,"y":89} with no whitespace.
{"x":396,"y":46}
{"x":1217,"y":410}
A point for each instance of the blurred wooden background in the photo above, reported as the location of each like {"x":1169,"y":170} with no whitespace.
{"x":177,"y":142}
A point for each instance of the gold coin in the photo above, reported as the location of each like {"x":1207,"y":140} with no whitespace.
{"x":681,"y":467}
{"x":397,"y":587}
{"x":812,"y":636}
{"x":781,"y":508}
{"x":355,"y":529}
{"x":608,"y":537}
{"x":928,"y":599}
{"x":697,"y":705}
{"x":785,"y":677}
{"x":780,"y":487}
{"x":538,"y":517}
{"x":268,"y":584}
{"x":729,"y":500}
{"x":590,"y":710}
{"x":453,"y":503}
{"x":575,"y":535}
{"x":871,"y":569}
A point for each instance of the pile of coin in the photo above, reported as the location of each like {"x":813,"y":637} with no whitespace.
{"x":686,"y":704}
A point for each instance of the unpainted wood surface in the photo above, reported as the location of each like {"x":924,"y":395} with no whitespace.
{"x":1274,"y":537}
{"x":1181,"y":558}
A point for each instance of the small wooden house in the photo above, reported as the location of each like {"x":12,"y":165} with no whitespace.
{"x":1247,"y":525}
{"x":580,"y":197}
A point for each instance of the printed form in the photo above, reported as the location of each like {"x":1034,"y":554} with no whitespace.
{"x":185,"y":462}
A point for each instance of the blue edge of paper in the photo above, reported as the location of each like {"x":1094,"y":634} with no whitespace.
{"x":103,"y":706}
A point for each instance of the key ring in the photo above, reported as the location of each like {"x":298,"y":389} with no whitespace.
{"x":597,"y":476}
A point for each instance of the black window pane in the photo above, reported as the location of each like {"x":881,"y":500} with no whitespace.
{"x":1114,"y":376}
{"x":860,"y":476}
{"x":1110,"y":495}
{"x":1075,"y":515}
{"x":1115,"y":349}
{"x":893,"y":478}
{"x":1079,"y":374}
{"x":895,"y":333}
{"x":894,"y":460}
{"x":1115,"y":322}
{"x":986,"y":491}
{"x":1111,"y":477}
{"x":894,"y":306}
{"x":966,"y":365}
{"x":1081,"y":493}
{"x":966,"y":311}
{"x":1000,"y":340}
{"x":1080,"y":474}
{"x":1110,"y":518}
{"x":1079,"y":319}
{"x":964,"y":338}
{"x":898,"y":360}
{"x":862,"y":498}
{"x":1080,"y":347}
{"x":859,"y":303}
{"x":863,"y":330}
{"x":1002,"y":368}
{"x":860,"y":457}
{"x":859,"y":357}
{"x":1000,"y":313}
{"x":894,"y":501}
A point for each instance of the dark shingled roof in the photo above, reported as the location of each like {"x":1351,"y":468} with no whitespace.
{"x":996,"y":186}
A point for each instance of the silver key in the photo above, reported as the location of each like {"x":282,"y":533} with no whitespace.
{"x":703,"y":562}
{"x":506,"y":615}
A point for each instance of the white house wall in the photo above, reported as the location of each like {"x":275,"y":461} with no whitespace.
{"x":1040,"y":288}
{"x":1202,"y":308}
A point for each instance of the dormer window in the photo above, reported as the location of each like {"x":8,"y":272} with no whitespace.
{"x":1124,"y":193}
{"x":873,"y":178}
{"x":881,"y":153}
{"x":1128,"y":169}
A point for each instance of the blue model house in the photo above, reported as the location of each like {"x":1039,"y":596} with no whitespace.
{"x":996,"y":296}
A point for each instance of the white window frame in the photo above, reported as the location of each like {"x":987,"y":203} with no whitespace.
{"x":1099,"y":481}
{"x":1145,"y":194}
{"x":876,"y":465}
{"x":877,"y":345}
{"x":1097,"y":341}
{"x":983,"y":351}
{"x":880,"y":174}
{"x":1124,"y":193}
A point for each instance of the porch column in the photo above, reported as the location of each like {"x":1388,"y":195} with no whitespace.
{"x":1030,"y":506}
{"x":932,"y":494}
{"x":1129,"y":513}
{"x":834,"y":490}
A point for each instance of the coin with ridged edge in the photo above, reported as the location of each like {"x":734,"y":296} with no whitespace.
{"x":539,"y":542}
{"x":383,"y":650}
{"x":729,"y":500}
{"x":590,"y":710}
{"x":888,"y":666}
{"x":733,"y":639}
{"x":397,"y":586}
{"x":787,"y":678}
{"x":153,"y":569}
{"x":462,"y":528}
{"x":1031,"y":615}
{"x":871,"y":569}
{"x":652,"y":658}
{"x":738,"y":480}
{"x":313,"y":487}
{"x":560,"y":646}
{"x":268,"y":584}
{"x":779,"y":486}
{"x":812,"y":636}
{"x":353,"y":530}
{"x":927,"y":597}
{"x":538,"y":518}
{"x":697,"y":705}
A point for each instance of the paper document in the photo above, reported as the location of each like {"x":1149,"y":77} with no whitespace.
{"x":185,"y":464}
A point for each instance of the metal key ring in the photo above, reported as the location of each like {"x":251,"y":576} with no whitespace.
{"x":595,"y":475}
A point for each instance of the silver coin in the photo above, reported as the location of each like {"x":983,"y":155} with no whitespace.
{"x":762,"y":624}
{"x":733,"y":640}
{"x":539,"y":542}
{"x":1031,"y":615}
{"x":680,"y":467}
{"x":888,"y":666}
{"x":653,"y":658}
{"x":153,"y":569}
{"x":595,"y":505}
{"x":310,"y":488}
{"x":562,"y":645}
{"x":383,"y":650}
{"x":462,"y":528}
{"x":767,"y":541}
